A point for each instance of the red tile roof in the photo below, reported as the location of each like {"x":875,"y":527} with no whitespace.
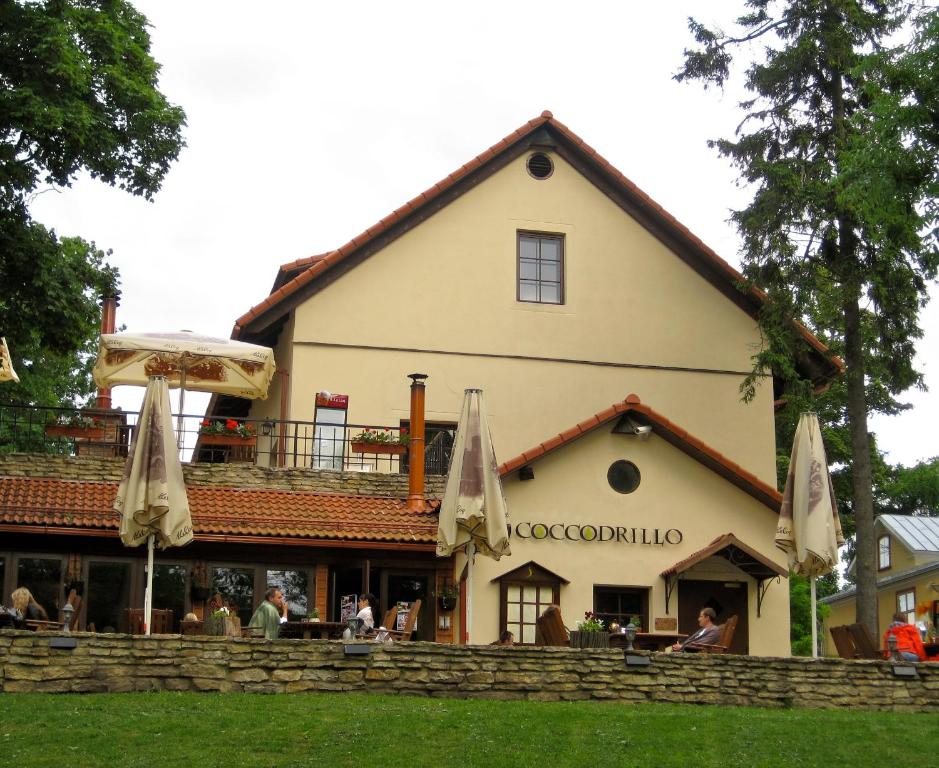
{"x":734,"y":551}
{"x":319,"y":265}
{"x":285,"y":517}
{"x":665,"y":429}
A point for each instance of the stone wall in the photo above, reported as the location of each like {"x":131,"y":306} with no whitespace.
{"x":94,"y":469}
{"x":116,"y":663}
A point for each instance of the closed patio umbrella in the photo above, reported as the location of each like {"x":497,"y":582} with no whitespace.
{"x":473,"y":512}
{"x":152,"y":496}
{"x":809,"y":528}
{"x":188,"y":361}
{"x":6,"y":363}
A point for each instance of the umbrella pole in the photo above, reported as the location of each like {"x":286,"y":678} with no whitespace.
{"x":179,"y":416}
{"x":814,"y":627}
{"x":148,"y":597}
{"x":470,"y":556}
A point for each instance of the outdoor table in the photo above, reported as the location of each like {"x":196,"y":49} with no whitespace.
{"x":307,"y":630}
{"x":647,"y":641}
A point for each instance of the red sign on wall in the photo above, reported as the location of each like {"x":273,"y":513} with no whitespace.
{"x":332,"y":401}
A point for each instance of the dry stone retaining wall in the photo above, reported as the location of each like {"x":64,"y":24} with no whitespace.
{"x":116,"y":663}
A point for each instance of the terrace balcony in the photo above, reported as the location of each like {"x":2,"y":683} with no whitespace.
{"x":263,"y":442}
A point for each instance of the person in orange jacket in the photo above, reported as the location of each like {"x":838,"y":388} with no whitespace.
{"x":909,"y":643}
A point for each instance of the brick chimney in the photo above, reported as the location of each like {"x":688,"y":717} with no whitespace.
{"x":416,"y":444}
{"x":108,"y":325}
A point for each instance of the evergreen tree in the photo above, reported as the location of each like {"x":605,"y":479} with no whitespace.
{"x":839,"y":145}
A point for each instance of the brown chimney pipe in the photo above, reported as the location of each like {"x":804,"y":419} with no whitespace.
{"x":108,"y":325}
{"x":416,"y":444}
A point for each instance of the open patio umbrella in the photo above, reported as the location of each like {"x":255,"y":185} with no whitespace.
{"x":152,"y":496}
{"x":6,"y":363}
{"x":188,"y":361}
{"x":809,"y":528}
{"x":473,"y":513}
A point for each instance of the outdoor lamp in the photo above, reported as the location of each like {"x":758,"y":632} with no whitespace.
{"x":630,"y":635}
{"x":68,"y":610}
{"x":892,"y":645}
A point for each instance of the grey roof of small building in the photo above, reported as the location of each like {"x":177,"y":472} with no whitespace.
{"x":918,"y":534}
{"x":893,"y":578}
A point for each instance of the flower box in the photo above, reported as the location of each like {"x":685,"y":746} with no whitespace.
{"x":580,"y":639}
{"x":228,"y":440}
{"x":66,"y":430}
{"x":393,"y":449}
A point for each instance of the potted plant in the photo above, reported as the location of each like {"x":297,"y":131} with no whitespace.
{"x":199,"y":591}
{"x":228,"y":432}
{"x":380,"y":441}
{"x":313,"y":615}
{"x":590,"y":633}
{"x":77,"y":425}
{"x":446,"y":597}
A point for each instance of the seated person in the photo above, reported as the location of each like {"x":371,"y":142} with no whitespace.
{"x":708,"y":633}
{"x":505,"y":638}
{"x":368,"y":613}
{"x":26,"y":606}
{"x":909,"y":643}
{"x":271,"y":613}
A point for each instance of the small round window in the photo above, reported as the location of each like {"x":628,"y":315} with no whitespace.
{"x":623,"y":476}
{"x":540,"y":165}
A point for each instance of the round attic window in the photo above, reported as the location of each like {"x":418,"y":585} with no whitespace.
{"x":540,"y":165}
{"x":623,"y":476}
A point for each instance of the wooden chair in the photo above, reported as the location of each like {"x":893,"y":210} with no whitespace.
{"x":844,"y":644}
{"x":409,"y":624}
{"x":863,"y":642}
{"x":550,"y":629}
{"x":161,"y":621}
{"x":723,"y":642}
{"x":390,"y":615}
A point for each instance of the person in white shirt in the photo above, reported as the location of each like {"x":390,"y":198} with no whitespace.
{"x":368,"y":613}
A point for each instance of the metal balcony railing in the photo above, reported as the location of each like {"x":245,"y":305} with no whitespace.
{"x":266,"y":442}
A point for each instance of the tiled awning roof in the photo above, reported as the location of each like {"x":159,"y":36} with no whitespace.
{"x":736,"y":553}
{"x":277,"y":516}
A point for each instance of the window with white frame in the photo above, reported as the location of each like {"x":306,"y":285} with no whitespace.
{"x":906,"y":603}
{"x":883,"y":553}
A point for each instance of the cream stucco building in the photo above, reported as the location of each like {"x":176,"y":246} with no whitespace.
{"x":542,"y":275}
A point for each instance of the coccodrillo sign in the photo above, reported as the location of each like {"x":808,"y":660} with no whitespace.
{"x":576,"y":532}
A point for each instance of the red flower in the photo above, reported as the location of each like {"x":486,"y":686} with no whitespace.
{"x":231,"y":425}
{"x":205,"y":423}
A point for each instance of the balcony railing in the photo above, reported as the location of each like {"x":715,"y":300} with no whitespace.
{"x":107,"y":433}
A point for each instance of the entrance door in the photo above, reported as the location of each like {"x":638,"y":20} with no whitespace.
{"x":727,"y":598}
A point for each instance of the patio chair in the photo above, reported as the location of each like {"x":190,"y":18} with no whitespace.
{"x":866,"y":646}
{"x":409,"y":624}
{"x":844,"y":644}
{"x":550,"y":629}
{"x":390,"y":615}
{"x":723,"y":642}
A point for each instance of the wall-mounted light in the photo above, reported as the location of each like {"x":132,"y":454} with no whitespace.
{"x":526,"y":473}
{"x":267,"y":428}
{"x":629,"y":425}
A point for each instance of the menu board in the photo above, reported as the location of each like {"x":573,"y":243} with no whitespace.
{"x":402,"y":618}
{"x":348,"y":607}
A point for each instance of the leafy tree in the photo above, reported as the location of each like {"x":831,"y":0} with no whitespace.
{"x":839,"y":145}
{"x":79,"y":92}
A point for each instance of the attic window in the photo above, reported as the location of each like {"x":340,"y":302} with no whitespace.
{"x":623,"y":476}
{"x":540,"y":165}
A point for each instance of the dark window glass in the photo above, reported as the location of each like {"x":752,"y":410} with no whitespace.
{"x":293,"y":585}
{"x":236,"y":586}
{"x":540,"y":268}
{"x":107,"y":596}
{"x":623,"y":476}
{"x":622,"y":604}
{"x":3,"y":586}
{"x":43,"y":577}
{"x":169,"y":590}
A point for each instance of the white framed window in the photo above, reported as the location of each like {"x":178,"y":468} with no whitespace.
{"x":906,"y":603}
{"x":883,"y":553}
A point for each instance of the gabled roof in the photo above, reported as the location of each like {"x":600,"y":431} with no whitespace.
{"x":894,"y":578}
{"x":736,"y":553}
{"x":47,"y":505}
{"x":299,"y":280}
{"x":668,"y":431}
{"x":920,"y":535}
{"x":529,"y":570}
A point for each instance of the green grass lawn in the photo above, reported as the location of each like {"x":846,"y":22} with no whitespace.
{"x":369,"y":730}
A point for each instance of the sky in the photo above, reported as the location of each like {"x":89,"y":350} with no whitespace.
{"x":309,"y":122}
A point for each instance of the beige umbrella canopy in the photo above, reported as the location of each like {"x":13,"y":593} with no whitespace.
{"x":6,"y":363}
{"x":152,"y":496}
{"x":473,"y":512}
{"x":809,"y":528}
